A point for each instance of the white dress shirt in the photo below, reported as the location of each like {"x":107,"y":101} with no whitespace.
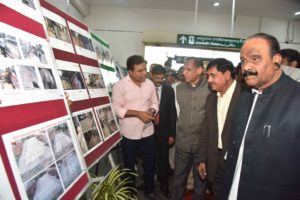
{"x":222,"y":109}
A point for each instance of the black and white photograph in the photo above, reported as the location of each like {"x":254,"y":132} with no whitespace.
{"x":60,"y":139}
{"x":29,"y":3}
{"x":47,"y":78}
{"x":94,"y":81}
{"x":8,"y":77}
{"x":69,"y":168}
{"x":33,"y":52}
{"x":71,"y":80}
{"x":57,"y":30}
{"x":9,"y":46}
{"x":32,"y":154}
{"x":107,"y":120}
{"x":29,"y":77}
{"x":82,"y":41}
{"x":46,"y":185}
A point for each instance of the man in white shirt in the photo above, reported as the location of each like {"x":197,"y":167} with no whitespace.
{"x":219,"y":109}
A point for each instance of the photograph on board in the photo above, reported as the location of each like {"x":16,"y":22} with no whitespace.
{"x":69,"y":168}
{"x":32,"y":154}
{"x":107,"y":120}
{"x":29,"y":77}
{"x":33,"y":52}
{"x":47,"y":78}
{"x":57,"y":30}
{"x":71,"y":80}
{"x":87,"y":132}
{"x":60,"y":139}
{"x":8,"y":77}
{"x":29,"y":3}
{"x":46,"y":185}
{"x":94,"y":81}
{"x":82,"y":41}
{"x":9,"y":46}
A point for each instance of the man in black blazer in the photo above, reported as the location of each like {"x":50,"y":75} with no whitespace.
{"x":219,"y":109}
{"x":165,"y":125}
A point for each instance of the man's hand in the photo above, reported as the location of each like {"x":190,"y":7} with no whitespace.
{"x":146,"y":117}
{"x":171,"y":140}
{"x":202,"y":170}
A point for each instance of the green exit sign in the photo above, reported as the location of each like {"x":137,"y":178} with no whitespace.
{"x":207,"y":41}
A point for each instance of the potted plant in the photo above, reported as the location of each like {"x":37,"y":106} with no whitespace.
{"x":115,"y":186}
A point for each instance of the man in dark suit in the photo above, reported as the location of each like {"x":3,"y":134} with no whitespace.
{"x":219,"y":109}
{"x":263,"y":152}
{"x":165,"y":125}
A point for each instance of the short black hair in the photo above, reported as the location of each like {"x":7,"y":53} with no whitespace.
{"x":272,"y":41}
{"x":222,"y":65}
{"x":134,"y":60}
{"x":291,"y":55}
{"x":196,"y":61}
{"x":158,"y":69}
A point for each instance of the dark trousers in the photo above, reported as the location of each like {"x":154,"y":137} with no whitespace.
{"x":217,"y":183}
{"x":162,"y":160}
{"x":146,"y":146}
{"x":184,"y":161}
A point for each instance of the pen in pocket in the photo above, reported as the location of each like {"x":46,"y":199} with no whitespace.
{"x":267,"y":130}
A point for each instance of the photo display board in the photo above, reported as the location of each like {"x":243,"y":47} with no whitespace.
{"x":43,"y":158}
{"x":56,"y":113}
{"x":58,"y":118}
{"x":83,"y":82}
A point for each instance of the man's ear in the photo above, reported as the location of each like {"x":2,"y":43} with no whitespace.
{"x":227,"y":75}
{"x":200,"y":70}
{"x":277,"y":60}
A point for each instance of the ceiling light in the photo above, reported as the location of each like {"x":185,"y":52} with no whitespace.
{"x":297,"y":13}
{"x":216,"y":4}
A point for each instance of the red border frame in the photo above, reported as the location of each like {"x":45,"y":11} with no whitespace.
{"x":72,"y":193}
{"x":75,"y":58}
{"x":25,"y":115}
{"x":89,"y":103}
{"x":20,"y":21}
{"x":99,"y":151}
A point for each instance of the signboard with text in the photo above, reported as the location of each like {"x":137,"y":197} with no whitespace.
{"x":207,"y":41}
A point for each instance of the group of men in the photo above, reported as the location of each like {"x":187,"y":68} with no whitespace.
{"x":244,"y":143}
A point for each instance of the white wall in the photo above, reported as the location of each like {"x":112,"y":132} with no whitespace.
{"x":122,"y":28}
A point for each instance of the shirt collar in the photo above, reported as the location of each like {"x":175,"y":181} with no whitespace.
{"x":275,"y":86}
{"x":229,"y":91}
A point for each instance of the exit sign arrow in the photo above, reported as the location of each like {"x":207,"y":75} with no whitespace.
{"x":182,"y":39}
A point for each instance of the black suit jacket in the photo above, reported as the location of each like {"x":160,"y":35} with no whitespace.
{"x":209,"y":138}
{"x":167,"y":114}
{"x":270,"y":164}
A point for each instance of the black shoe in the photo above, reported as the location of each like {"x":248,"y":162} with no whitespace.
{"x":151,"y":196}
{"x":165,"y":191}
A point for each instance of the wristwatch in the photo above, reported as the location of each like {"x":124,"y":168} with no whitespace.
{"x":152,"y":110}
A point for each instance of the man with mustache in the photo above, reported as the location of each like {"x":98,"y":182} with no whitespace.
{"x":262,"y":161}
{"x":219,"y":109}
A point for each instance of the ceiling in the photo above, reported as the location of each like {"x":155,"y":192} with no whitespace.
{"x":280,"y":9}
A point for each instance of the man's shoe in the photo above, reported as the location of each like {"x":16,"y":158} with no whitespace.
{"x":151,"y":196}
{"x":165,"y":191}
